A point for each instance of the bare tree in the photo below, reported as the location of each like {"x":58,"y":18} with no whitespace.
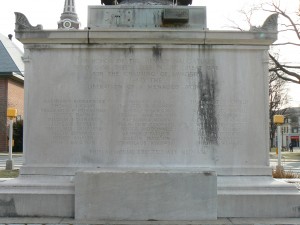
{"x":289,"y":24}
{"x":278,"y":99}
{"x":285,"y":71}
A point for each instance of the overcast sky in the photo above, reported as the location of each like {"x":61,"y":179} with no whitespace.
{"x":219,"y":14}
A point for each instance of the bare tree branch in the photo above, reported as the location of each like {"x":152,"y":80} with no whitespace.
{"x":281,"y":31}
{"x":291,"y":67}
{"x":278,"y":98}
{"x":285,"y":78}
{"x":288,"y":72}
{"x":288,"y":25}
{"x":235,"y":25}
{"x":282,"y":13}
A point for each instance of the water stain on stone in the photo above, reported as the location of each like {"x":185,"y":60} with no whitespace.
{"x":128,"y":51}
{"x":8,"y":208}
{"x":157,"y":52}
{"x":297,"y":210}
{"x":207,"y":118}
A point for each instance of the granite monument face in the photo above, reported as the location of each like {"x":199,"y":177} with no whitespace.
{"x":147,"y":115}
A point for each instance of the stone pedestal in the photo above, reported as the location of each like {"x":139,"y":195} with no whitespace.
{"x":145,"y":195}
{"x":138,"y":111}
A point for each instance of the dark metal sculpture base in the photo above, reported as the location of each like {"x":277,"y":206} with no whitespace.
{"x":147,"y":2}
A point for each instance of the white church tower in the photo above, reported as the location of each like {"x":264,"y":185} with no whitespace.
{"x":69,"y":18}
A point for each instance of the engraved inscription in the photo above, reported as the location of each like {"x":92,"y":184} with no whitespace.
{"x":74,"y":121}
{"x":152,"y":125}
{"x":149,"y":105}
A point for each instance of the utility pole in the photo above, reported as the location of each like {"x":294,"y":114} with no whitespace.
{"x":11,"y":114}
{"x":279,"y":120}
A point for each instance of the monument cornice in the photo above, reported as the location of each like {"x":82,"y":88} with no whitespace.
{"x":146,"y":36}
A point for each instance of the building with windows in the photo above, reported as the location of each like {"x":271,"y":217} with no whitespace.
{"x":11,"y":85}
{"x":291,"y":128}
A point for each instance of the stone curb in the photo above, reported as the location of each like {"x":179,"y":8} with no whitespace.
{"x":220,"y":221}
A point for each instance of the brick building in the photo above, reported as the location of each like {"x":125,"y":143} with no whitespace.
{"x":11,"y":85}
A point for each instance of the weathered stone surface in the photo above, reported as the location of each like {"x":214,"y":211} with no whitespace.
{"x":146,"y":195}
{"x":41,"y":196}
{"x":22,"y":23}
{"x":147,"y":106}
{"x":257,"y":196}
{"x":158,"y":103}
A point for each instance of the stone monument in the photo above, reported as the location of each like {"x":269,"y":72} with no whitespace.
{"x":146,"y":115}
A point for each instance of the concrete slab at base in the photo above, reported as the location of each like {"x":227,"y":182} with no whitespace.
{"x":257,"y":197}
{"x":41,"y":197}
{"x":145,"y":195}
{"x":238,"y":196}
{"x":220,"y":221}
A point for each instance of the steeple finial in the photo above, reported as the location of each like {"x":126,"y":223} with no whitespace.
{"x":69,"y":18}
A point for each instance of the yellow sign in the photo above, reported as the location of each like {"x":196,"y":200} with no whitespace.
{"x":278,"y":119}
{"x":12,"y":112}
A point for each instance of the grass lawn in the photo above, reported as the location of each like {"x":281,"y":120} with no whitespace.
{"x":9,"y":173}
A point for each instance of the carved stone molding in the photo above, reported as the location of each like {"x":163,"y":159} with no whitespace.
{"x":22,"y":23}
{"x":270,"y":24}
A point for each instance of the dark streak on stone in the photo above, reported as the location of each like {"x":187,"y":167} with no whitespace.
{"x":129,"y":51}
{"x":8,"y":208}
{"x":208,"y":173}
{"x":156,"y":52}
{"x":207,"y":107}
{"x":297,"y":210}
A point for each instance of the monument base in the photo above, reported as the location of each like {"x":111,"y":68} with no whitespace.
{"x":220,"y":221}
{"x":37,"y":196}
{"x":162,"y":195}
{"x":146,"y":195}
{"x":257,"y":197}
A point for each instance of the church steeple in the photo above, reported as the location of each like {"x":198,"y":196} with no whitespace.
{"x":69,"y":18}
